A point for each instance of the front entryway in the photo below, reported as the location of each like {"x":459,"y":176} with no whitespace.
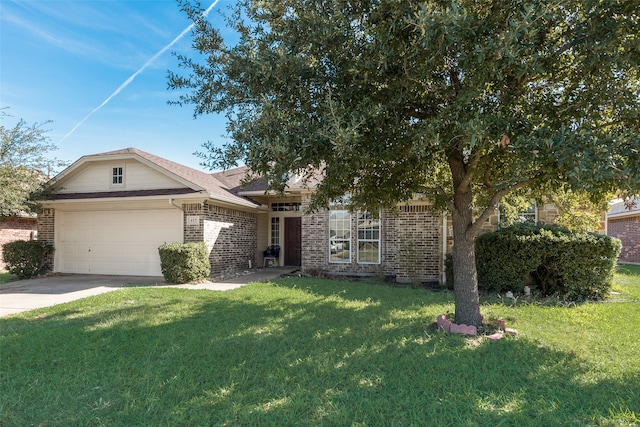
{"x":292,"y":241}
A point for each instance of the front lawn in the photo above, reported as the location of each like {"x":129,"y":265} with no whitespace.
{"x":5,"y":277}
{"x":317,"y":352}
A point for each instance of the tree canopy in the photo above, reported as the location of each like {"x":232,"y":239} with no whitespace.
{"x":24,"y":166}
{"x":465,"y":102}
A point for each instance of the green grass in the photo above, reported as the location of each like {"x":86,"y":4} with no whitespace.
{"x":5,"y":277}
{"x":317,"y":352}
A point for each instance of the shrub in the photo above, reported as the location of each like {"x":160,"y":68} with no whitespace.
{"x":448,"y":268}
{"x":574,"y":265}
{"x":411,"y":262}
{"x":26,"y":259}
{"x":184,"y":262}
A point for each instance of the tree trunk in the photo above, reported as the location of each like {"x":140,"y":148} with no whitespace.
{"x":465,"y":274}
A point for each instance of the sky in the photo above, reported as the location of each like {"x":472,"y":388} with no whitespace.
{"x":97,"y":70}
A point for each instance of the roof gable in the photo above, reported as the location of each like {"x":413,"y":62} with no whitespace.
{"x":144,"y":172}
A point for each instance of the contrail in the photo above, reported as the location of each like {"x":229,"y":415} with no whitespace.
{"x":144,"y":67}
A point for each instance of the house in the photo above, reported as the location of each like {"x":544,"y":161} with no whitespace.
{"x":624,"y":223}
{"x":12,"y":228}
{"x":111,"y":211}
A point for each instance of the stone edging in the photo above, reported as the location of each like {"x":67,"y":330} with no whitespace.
{"x":449,"y":326}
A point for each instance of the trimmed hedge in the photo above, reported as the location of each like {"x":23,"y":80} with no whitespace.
{"x":184,"y":262}
{"x":576,"y":266}
{"x":26,"y":258}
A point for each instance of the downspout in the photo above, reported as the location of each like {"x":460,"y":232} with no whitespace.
{"x":175,"y":206}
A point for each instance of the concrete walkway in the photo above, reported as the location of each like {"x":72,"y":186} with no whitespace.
{"x":24,"y":295}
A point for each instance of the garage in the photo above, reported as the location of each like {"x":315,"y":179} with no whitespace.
{"x":122,"y":242}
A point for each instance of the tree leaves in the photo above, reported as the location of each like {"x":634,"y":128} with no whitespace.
{"x":395,"y":98}
{"x":24,"y":166}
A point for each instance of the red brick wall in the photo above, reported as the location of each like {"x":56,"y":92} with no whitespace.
{"x":411,"y":245}
{"x":12,"y":229}
{"x":230,"y":235}
{"x":46,"y":230}
{"x":627,"y":229}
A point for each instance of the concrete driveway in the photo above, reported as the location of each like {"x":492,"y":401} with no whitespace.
{"x":24,"y":295}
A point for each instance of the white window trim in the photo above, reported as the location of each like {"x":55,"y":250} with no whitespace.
{"x":111,"y":175}
{"x":534,"y":206}
{"x":271,"y":230}
{"x":378,"y":240}
{"x":347,"y":261}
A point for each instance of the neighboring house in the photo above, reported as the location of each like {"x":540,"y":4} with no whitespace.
{"x":22,"y":227}
{"x":624,"y":224}
{"x":111,"y":211}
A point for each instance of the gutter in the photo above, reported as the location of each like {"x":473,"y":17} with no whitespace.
{"x":622,"y":214}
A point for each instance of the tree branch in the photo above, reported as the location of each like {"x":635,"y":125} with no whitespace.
{"x":441,"y":192}
{"x":566,"y":47}
{"x":493,"y":203}
{"x":470,"y":168}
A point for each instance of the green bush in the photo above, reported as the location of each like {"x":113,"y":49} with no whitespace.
{"x":448,"y":268}
{"x":26,"y":259}
{"x":554,"y":260}
{"x":184,"y":262}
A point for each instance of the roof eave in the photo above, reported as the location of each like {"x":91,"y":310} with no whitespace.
{"x":190,"y":196}
{"x":234,"y":201}
{"x":623,"y":214}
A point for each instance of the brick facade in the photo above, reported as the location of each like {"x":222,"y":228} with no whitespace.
{"x":46,"y":230}
{"x":229,"y":234}
{"x":410,"y":240}
{"x":415,"y":244}
{"x":627,"y":229}
{"x":15,"y":228}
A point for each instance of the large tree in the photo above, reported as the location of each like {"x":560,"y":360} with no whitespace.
{"x":464,"y":102}
{"x":24,"y":165}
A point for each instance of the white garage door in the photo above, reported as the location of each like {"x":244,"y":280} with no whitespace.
{"x":123,"y":242}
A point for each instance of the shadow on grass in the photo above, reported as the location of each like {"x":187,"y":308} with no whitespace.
{"x":302,"y":352}
{"x":628,"y":269}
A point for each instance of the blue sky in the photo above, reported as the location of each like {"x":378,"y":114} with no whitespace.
{"x":60,"y":60}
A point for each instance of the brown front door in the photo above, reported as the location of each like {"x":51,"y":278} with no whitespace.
{"x":292,"y":241}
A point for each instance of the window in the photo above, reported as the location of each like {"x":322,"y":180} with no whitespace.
{"x":368,"y":239}
{"x":509,"y":215}
{"x":275,"y":231}
{"x":285,"y":207}
{"x":339,"y":236}
{"x":530,"y":215}
{"x":117,"y":175}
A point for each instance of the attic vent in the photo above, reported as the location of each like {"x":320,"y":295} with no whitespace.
{"x":414,"y":208}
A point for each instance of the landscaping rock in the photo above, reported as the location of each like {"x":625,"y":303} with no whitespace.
{"x":463,"y":329}
{"x":443,"y":323}
{"x":495,"y":337}
{"x":449,"y":326}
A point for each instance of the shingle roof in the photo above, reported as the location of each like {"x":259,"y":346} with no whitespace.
{"x":232,"y":178}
